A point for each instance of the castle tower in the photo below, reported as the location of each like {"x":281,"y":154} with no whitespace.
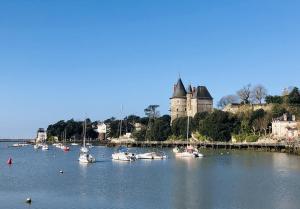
{"x":189,"y":96}
{"x":179,"y":101}
{"x":202,"y":101}
{"x":190,"y":102}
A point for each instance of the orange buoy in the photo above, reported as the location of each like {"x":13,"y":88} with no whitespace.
{"x":9,"y":161}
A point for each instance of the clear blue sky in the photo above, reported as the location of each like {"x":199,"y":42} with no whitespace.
{"x":61,"y":59}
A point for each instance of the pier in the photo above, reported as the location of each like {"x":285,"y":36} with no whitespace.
{"x":292,"y":148}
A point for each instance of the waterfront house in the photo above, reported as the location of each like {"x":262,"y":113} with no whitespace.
{"x":285,"y":127}
{"x":41,"y":135}
{"x":102,"y":130}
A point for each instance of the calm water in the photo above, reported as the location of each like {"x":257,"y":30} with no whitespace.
{"x":235,"y":180}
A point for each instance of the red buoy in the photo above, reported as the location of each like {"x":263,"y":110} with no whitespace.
{"x":9,"y":161}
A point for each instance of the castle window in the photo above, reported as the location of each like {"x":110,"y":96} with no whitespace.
{"x":177,"y":110}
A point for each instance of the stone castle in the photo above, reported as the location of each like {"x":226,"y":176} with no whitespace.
{"x":190,"y":101}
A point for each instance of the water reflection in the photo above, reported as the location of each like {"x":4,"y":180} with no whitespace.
{"x":240,"y":179}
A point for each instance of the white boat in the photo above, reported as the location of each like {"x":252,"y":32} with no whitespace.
{"x":124,"y":155}
{"x":74,"y":144}
{"x":151,"y":156}
{"x":45,"y":147}
{"x":176,"y":150}
{"x":188,"y":154}
{"x":84,"y":155}
{"x":37,"y":146}
{"x":189,"y":151}
{"x":20,"y":145}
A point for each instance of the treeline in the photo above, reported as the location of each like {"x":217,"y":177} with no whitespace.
{"x":72,"y":129}
{"x":245,"y":125}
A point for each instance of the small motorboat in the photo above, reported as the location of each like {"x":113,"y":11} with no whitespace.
{"x":189,"y":152}
{"x":45,"y":147}
{"x":20,"y":145}
{"x":65,"y":148}
{"x":152,"y":156}
{"x":37,"y":146}
{"x":176,"y":150}
{"x":124,"y":155}
{"x":74,"y":144}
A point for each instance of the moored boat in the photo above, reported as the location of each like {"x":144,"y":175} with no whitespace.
{"x":124,"y":155}
{"x":189,"y":151}
{"x":151,"y":156}
{"x":84,"y":155}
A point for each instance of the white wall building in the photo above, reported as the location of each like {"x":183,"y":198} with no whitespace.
{"x":41,"y":135}
{"x":285,"y":127}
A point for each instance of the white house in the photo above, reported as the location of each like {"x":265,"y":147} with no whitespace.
{"x":41,"y":135}
{"x":285,"y":127}
{"x":102,"y":130}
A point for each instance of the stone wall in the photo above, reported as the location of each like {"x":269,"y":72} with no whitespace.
{"x":178,"y":108}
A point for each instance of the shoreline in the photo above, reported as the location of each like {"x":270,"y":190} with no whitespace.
{"x":289,"y":148}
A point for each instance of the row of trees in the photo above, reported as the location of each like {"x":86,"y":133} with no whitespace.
{"x":258,"y":94}
{"x":290,"y":98}
{"x":245,"y":95}
{"x":73,"y":129}
{"x":215,"y":126}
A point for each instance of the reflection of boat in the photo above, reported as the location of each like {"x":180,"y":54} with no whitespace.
{"x":85,"y":156}
{"x":151,"y":156}
{"x":124,"y":155}
{"x":189,"y":151}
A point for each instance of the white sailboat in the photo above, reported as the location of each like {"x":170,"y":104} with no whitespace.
{"x":85,"y":156}
{"x":64,"y":146}
{"x":189,"y":151}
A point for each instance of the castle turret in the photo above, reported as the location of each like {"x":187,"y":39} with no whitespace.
{"x":191,"y":101}
{"x":189,"y":96}
{"x":178,"y":101}
{"x":202,"y":100}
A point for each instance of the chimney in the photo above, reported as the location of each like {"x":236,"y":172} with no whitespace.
{"x":174,"y":87}
{"x":194,"y":89}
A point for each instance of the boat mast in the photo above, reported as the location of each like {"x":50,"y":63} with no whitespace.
{"x":84,"y":132}
{"x":121,"y":121}
{"x":188,"y":130}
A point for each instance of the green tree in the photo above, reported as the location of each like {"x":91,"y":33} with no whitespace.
{"x":219,"y":126}
{"x":274,"y":99}
{"x":179,"y":127}
{"x":294,"y":97}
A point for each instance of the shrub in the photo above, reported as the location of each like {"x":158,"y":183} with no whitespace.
{"x":251,"y":138}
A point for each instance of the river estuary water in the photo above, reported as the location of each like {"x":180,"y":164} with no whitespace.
{"x":234,"y":180}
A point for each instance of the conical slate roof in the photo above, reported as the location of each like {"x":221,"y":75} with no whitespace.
{"x":202,"y":93}
{"x":179,"y":90}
